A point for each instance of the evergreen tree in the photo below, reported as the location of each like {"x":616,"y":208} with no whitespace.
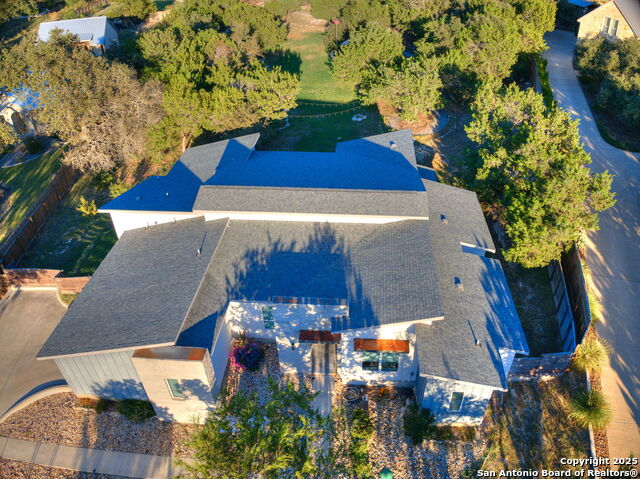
{"x":531,"y":169}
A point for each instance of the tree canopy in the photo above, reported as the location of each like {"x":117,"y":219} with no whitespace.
{"x":612,"y":71}
{"x":247,"y":436}
{"x":139,"y":9}
{"x":208,"y":56}
{"x":99,"y":109}
{"x":7,"y":135}
{"x":531,"y":169}
{"x":14,"y":8}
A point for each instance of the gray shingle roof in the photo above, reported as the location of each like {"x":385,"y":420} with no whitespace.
{"x":207,"y":177}
{"x":141,"y":292}
{"x":312,"y":201}
{"x":375,"y":267}
{"x":631,"y":11}
{"x":483,"y":310}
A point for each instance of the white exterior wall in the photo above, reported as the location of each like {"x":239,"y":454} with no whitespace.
{"x":194,"y":377}
{"x":437,"y":396}
{"x":130,"y":220}
{"x":350,"y":364}
{"x":256,"y":216}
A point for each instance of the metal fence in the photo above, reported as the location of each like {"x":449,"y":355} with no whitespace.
{"x":19,"y":240}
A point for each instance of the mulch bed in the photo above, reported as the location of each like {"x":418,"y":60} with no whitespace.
{"x":599,"y":435}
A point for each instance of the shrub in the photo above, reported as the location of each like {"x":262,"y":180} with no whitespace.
{"x":136,"y":410}
{"x":418,"y":424}
{"x":117,"y":188}
{"x":33,"y":146}
{"x":86,"y":207}
{"x":280,"y":8}
{"x":246,"y":356}
{"x":590,"y":408}
{"x":590,"y":354}
{"x":361,"y":433}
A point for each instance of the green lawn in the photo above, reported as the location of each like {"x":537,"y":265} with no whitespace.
{"x":69,"y":241}
{"x":324,"y":114}
{"x":26,"y":183}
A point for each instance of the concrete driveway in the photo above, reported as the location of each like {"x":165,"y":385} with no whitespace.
{"x":27,"y":318}
{"x":613,"y":253}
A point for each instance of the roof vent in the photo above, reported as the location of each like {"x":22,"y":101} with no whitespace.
{"x":393,"y":145}
{"x":444,"y":220}
{"x":138,"y":198}
{"x":458,"y":283}
{"x":167,"y":194}
{"x":198,"y":251}
{"x":478,"y":343}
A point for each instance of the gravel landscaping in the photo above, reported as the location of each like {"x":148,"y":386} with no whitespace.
{"x":56,"y":419}
{"x":22,"y":470}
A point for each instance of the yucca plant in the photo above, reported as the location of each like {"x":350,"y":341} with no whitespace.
{"x":591,"y":354}
{"x":590,"y":408}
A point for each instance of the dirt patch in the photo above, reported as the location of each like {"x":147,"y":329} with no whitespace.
{"x":302,"y":22}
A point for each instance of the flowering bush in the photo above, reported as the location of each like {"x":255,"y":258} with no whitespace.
{"x":246,"y":356}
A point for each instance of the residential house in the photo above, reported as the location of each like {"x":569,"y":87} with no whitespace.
{"x":94,"y":33}
{"x":617,"y":19}
{"x":352,"y":263}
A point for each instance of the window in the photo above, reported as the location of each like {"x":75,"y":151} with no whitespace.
{"x":370,"y":361}
{"x":389,"y":361}
{"x":267,"y":317}
{"x":610,"y":26}
{"x":456,"y":401}
{"x":380,"y":361}
{"x":175,"y":389}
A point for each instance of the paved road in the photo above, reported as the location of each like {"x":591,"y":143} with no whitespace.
{"x":27,"y":318}
{"x":613,"y":253}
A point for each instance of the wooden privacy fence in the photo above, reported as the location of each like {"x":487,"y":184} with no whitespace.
{"x":577,"y":292}
{"x":41,"y":278}
{"x":563,"y":307}
{"x":19,"y":240}
{"x":544,"y":367}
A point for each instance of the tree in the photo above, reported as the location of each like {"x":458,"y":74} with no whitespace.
{"x":327,"y":9}
{"x":215,"y":81}
{"x":368,"y":46}
{"x":7,"y":135}
{"x":411,"y":85}
{"x":99,"y":109}
{"x":275,"y":437}
{"x":14,"y":8}
{"x":611,"y":70}
{"x":139,"y":9}
{"x":531,"y":169}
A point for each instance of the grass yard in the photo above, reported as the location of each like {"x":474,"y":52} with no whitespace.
{"x":69,"y":241}
{"x":25,"y":184}
{"x":528,"y":427}
{"x":324,"y":114}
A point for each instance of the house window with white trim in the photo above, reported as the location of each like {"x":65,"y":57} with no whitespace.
{"x":456,"y":401}
{"x":610,"y":26}
{"x":175,"y":389}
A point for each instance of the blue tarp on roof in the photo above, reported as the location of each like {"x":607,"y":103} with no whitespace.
{"x":580,"y":3}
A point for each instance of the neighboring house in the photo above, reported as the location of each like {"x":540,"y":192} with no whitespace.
{"x":95,"y":33}
{"x":616,"y":19}
{"x":352,"y":263}
{"x":13,"y":106}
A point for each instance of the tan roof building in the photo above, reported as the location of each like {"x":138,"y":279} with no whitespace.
{"x":618,"y":19}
